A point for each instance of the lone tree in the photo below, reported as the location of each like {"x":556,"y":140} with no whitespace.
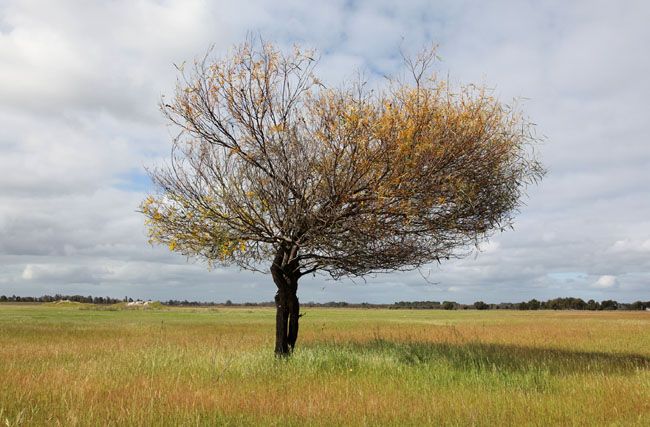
{"x":270,"y":165}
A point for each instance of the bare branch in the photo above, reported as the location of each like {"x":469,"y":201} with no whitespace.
{"x":346,"y":181}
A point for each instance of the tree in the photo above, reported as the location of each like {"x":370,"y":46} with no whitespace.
{"x":270,"y":165}
{"x":533,"y":304}
{"x":480,"y":305}
{"x":449,"y":305}
{"x":608,"y":305}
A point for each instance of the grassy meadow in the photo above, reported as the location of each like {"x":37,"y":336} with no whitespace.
{"x":82,"y":365}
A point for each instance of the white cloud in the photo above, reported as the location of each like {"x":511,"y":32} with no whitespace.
{"x":605,"y":282}
{"x":489,"y":247}
{"x":28,"y":272}
{"x":631,"y":245}
{"x":79,"y":120}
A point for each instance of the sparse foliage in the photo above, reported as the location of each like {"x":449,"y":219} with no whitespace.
{"x":272,"y":166}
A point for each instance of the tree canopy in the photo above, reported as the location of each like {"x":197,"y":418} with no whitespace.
{"x":272,"y":165}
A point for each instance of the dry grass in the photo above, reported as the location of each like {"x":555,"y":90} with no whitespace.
{"x":73,"y":366}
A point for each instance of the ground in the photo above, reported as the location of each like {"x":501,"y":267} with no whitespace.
{"x":74,"y":364}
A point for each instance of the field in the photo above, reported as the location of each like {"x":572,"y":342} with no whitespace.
{"x":80,"y":365}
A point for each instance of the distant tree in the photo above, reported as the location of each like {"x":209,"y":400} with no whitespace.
{"x":555,"y":304}
{"x":636,"y":305}
{"x":577,"y":304}
{"x":480,"y":305}
{"x":608,"y":305}
{"x":271,"y":166}
{"x":228,"y":302}
{"x":449,"y":305}
{"x":533,"y":304}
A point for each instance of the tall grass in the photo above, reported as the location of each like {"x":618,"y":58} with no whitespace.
{"x":72,"y":366}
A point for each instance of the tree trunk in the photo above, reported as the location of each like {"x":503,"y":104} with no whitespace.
{"x":281,"y":318}
{"x":285,"y":276}
{"x":294,"y":317}
{"x":286,"y":320}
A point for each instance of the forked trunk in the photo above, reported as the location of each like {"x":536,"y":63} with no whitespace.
{"x":286,"y":321}
{"x":287,"y":316}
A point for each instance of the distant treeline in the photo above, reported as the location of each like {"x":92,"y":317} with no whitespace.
{"x":533,"y":304}
{"x":77,"y":298}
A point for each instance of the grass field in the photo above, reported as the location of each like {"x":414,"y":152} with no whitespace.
{"x":83,"y":366}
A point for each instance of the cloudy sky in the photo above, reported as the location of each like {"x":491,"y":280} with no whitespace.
{"x":79,"y":87}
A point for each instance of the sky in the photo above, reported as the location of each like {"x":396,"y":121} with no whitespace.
{"x":80,"y":83}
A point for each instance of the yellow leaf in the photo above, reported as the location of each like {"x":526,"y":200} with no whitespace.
{"x":277,"y":128}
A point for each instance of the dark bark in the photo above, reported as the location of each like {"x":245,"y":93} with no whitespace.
{"x":294,"y":317}
{"x":285,"y":275}
{"x":281,"y":317}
